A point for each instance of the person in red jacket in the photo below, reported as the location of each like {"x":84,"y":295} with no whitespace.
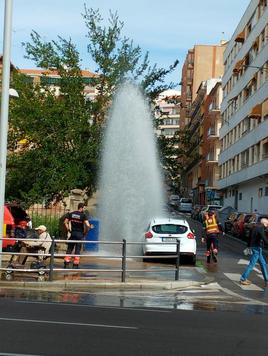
{"x":212,"y":230}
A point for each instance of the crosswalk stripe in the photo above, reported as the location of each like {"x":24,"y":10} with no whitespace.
{"x":242,"y":261}
{"x":235,"y":277}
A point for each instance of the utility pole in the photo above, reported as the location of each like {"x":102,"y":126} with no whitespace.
{"x":4,"y":111}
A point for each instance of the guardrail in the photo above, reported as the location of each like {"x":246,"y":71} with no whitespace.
{"x":52,"y":255}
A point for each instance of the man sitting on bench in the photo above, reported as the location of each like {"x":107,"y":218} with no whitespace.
{"x":41,"y":247}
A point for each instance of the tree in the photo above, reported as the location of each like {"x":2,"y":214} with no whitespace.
{"x":63,"y":144}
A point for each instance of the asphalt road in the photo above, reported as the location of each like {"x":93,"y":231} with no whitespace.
{"x":222,"y":318}
{"x":61,"y":329}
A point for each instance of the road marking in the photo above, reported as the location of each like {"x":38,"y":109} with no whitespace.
{"x":96,"y":306}
{"x":246,"y":262}
{"x":68,"y":323}
{"x":235,"y":277}
{"x":8,"y":354}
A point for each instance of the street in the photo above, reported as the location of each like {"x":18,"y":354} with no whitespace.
{"x":218,"y":318}
{"x":62,"y":329}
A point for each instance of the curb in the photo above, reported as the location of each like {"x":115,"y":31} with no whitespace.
{"x":78,"y":286}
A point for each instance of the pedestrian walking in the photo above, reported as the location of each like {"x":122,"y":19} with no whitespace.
{"x":257,"y":239}
{"x":77,"y":226}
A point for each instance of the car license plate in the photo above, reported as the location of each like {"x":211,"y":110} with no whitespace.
{"x":169,"y":239}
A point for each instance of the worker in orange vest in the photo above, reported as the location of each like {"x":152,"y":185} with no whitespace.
{"x":77,"y":226}
{"x":212,"y":230}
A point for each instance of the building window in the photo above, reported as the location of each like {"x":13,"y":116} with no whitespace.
{"x":260,"y":192}
{"x":266,"y":191}
{"x":240,"y":196}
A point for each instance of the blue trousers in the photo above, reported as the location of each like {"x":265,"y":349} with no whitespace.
{"x":255,"y":257}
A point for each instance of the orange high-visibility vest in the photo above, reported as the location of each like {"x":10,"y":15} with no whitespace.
{"x":211,"y":225}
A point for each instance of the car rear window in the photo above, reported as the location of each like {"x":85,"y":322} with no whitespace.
{"x":169,"y":229}
{"x":215,"y":207}
{"x":187,"y":201}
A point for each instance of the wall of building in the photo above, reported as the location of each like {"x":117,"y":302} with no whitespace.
{"x":208,"y":63}
{"x":250,"y":196}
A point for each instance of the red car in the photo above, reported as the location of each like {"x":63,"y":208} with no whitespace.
{"x":9,"y":225}
{"x":238,"y":228}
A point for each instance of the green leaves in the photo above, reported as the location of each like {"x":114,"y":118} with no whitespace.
{"x":60,"y":129}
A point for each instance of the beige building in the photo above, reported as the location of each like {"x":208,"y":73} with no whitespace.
{"x":202,"y":63}
{"x":52,"y":78}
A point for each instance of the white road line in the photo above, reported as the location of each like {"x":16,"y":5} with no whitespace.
{"x":68,"y":323}
{"x":235,"y":277}
{"x":96,"y":306}
{"x":245,"y":262}
{"x":8,"y":354}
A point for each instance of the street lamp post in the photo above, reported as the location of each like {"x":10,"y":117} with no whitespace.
{"x":4,"y":111}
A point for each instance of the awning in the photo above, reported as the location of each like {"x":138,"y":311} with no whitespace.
{"x":240,"y":37}
{"x":8,"y":218}
{"x":256,"y":43}
{"x":256,"y":112}
{"x":265,"y":108}
{"x":238,"y":66}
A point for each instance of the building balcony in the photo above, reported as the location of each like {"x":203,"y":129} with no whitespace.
{"x":211,"y":158}
{"x":212,"y":133}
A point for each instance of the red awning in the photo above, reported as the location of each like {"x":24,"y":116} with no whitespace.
{"x":8,"y":218}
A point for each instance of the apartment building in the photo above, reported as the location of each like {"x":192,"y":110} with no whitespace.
{"x":52,"y":78}
{"x":243,"y":159}
{"x":208,"y":187}
{"x":168,"y":109}
{"x":202,"y":62}
{"x":201,"y":171}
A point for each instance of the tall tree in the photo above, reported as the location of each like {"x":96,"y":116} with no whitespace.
{"x":62,"y":149}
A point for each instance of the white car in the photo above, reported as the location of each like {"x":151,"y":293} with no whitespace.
{"x":163,"y":230}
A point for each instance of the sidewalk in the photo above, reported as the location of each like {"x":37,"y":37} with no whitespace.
{"x":106,"y":274}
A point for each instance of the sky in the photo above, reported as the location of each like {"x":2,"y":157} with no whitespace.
{"x":166,"y":29}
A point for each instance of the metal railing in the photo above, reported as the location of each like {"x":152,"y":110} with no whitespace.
{"x":51,"y":268}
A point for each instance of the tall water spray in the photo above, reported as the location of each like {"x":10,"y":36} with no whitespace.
{"x":131,"y":189}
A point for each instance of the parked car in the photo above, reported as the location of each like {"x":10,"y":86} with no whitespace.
{"x":162,"y":230}
{"x":174,"y":200}
{"x":19,"y":214}
{"x":196,"y":211}
{"x":8,"y":229}
{"x":253,"y":220}
{"x":238,"y":225}
{"x":224,"y":213}
{"x":185,"y":205}
{"x":208,"y":208}
{"x":228,"y":223}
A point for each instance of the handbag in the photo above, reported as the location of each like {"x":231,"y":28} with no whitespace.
{"x":247,"y":251}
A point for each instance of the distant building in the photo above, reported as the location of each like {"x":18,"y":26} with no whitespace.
{"x":52,"y":78}
{"x":208,"y":186}
{"x":202,"y":62}
{"x":244,"y":134}
{"x":168,"y":108}
{"x":201,"y":165}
